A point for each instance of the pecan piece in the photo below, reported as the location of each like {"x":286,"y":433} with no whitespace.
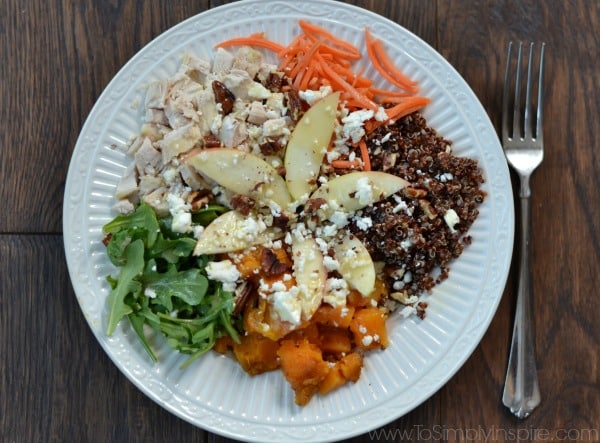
{"x":273,"y":82}
{"x":270,"y":264}
{"x":106,"y":239}
{"x":211,"y":141}
{"x":199,"y":199}
{"x":242,"y":204}
{"x":270,"y":147}
{"x":314,"y":204}
{"x":280,"y":221}
{"x":242,"y":294}
{"x":223,"y":96}
{"x":294,"y":104}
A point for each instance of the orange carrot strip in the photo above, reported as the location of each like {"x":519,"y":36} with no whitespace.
{"x":364,"y":154}
{"x":308,"y":75}
{"x":387,"y":64}
{"x":305,"y":59}
{"x":386,"y":93}
{"x":409,"y":106}
{"x":375,"y":50}
{"x":314,"y":30}
{"x":373,"y":57}
{"x":393,"y":100}
{"x":251,"y":41}
{"x":354,"y":79}
{"x":340,"y":54}
{"x":332,"y":75}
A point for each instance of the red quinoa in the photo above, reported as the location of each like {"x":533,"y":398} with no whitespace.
{"x":410,"y":235}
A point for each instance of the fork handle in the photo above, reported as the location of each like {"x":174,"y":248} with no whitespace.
{"x":521,"y":390}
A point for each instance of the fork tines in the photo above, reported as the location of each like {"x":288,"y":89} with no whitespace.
{"x":522,"y":125}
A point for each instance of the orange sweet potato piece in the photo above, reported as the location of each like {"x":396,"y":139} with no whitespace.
{"x":259,"y":319}
{"x":333,"y":380}
{"x":335,"y":341}
{"x":223,"y":344}
{"x":345,"y":370}
{"x":351,"y":366}
{"x":303,"y":366}
{"x":328,"y":315}
{"x":256,"y":354}
{"x":249,"y":263}
{"x":357,"y":300}
{"x":368,"y":328}
{"x":309,"y":332}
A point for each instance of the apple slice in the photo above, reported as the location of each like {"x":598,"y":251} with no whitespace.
{"x":233,"y":231}
{"x":307,"y":146}
{"x":356,"y":265}
{"x":356,"y":190}
{"x":242,"y":173}
{"x":310,"y":274}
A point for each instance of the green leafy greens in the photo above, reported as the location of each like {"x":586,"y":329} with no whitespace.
{"x":162,"y":285}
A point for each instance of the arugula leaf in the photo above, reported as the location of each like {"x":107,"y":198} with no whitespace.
{"x":137,"y":322}
{"x":189,"y":286}
{"x":133,"y":267}
{"x":140,"y":224}
{"x":207,"y":214}
{"x":171,"y":250}
{"x":162,"y":285}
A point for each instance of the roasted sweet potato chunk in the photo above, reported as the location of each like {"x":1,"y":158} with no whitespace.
{"x":339,"y":316}
{"x":256,"y":354}
{"x":368,"y":328}
{"x":335,"y":341}
{"x":345,"y":370}
{"x":303,"y":367}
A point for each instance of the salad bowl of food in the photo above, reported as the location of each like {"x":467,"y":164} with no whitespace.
{"x":298,"y":230}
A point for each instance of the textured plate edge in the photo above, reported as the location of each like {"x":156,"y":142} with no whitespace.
{"x":190,"y":418}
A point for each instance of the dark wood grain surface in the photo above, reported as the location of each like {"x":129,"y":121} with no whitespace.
{"x":57,"y":384}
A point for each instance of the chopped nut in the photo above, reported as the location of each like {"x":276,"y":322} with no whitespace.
{"x":314,"y":204}
{"x":242,"y":294}
{"x":294,"y":104}
{"x":242,"y":204}
{"x":270,"y":264}
{"x":223,"y":96}
{"x":211,"y":141}
{"x":270,"y":147}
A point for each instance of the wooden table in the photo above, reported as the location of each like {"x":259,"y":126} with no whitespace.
{"x":57,"y":384}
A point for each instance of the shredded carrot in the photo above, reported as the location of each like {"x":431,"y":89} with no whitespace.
{"x":409,"y":106}
{"x":345,"y":164}
{"x":334,"y":76}
{"x":317,"y":58}
{"x":401,"y":80}
{"x":315,"y":31}
{"x":252,"y":40}
{"x":386,"y":93}
{"x":364,"y":154}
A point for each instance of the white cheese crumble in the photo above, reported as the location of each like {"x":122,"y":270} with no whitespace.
{"x":311,"y":97}
{"x":179,"y":209}
{"x":364,"y":191}
{"x":225,"y":272}
{"x":287,"y":304}
{"x":452,"y":219}
{"x":363,"y":223}
{"x":336,"y":291}
{"x":353,"y":124}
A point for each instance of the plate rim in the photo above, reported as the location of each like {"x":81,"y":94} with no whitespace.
{"x":79,"y":282}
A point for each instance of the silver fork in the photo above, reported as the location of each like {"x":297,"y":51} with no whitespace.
{"x":524,"y":149}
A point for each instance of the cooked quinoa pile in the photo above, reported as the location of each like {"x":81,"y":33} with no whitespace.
{"x":416,"y":235}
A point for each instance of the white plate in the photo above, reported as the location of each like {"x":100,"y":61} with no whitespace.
{"x":214,"y":393}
